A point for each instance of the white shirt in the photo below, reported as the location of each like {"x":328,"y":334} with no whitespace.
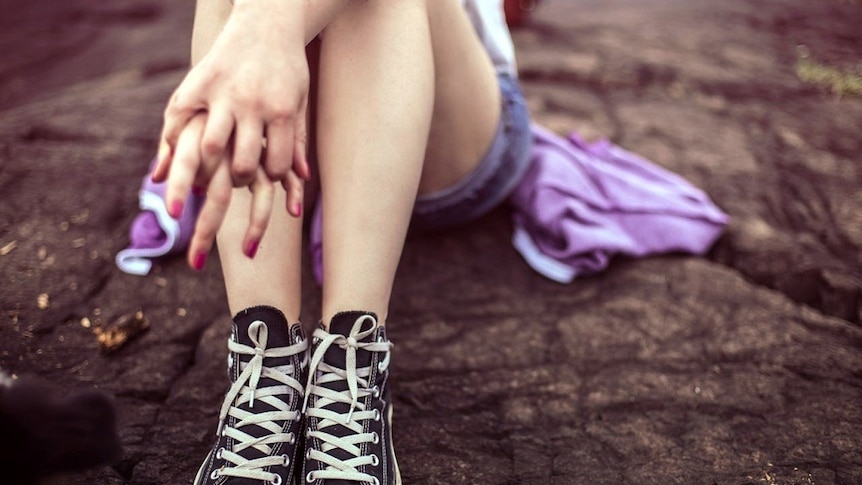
{"x":489,"y":20}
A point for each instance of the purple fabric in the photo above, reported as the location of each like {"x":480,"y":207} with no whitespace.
{"x":146,"y":233}
{"x":315,"y":244}
{"x":149,"y":233}
{"x":153,"y":232}
{"x":582,"y":203}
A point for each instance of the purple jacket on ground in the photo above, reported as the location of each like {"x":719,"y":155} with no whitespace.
{"x":578,"y":205}
{"x":582,"y":203}
{"x":154,"y":233}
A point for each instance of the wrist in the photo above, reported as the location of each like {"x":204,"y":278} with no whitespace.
{"x":311,"y":17}
{"x":285,"y":18}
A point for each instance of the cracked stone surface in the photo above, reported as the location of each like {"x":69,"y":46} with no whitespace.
{"x":744,"y":367}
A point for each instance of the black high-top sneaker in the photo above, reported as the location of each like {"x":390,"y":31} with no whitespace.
{"x":348,"y":412}
{"x":260,"y":418}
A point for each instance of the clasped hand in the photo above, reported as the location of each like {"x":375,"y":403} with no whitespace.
{"x":238,"y":119}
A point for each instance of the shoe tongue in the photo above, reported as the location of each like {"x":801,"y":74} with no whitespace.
{"x":342,"y":324}
{"x":277,"y":335}
{"x":278,"y":331}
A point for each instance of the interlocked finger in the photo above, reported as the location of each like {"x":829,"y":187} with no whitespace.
{"x":294,"y":186}
{"x":215,"y":144}
{"x":248,"y":146}
{"x":263,"y":194}
{"x":181,"y":108}
{"x":211,"y":216}
{"x":279,"y":150}
{"x":184,"y":166}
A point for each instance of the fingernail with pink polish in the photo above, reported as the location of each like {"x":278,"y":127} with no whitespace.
{"x":176,"y":209}
{"x":251,"y":249}
{"x":200,"y":260}
{"x":298,"y":209}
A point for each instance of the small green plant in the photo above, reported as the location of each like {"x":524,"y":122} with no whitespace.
{"x":841,"y":83}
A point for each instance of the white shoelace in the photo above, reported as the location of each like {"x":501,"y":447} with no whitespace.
{"x":357,"y":388}
{"x":245,"y":390}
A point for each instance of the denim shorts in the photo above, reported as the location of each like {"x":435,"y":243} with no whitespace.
{"x":496,"y":176}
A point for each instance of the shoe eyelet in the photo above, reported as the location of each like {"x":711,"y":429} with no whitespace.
{"x":219,"y":455}
{"x":376,"y":481}
{"x":276,"y":480}
{"x":285,"y":460}
{"x":215,"y":474}
{"x":292,"y":440}
{"x":376,"y":415}
{"x":309,"y":477}
{"x":375,"y":438}
{"x":375,"y":391}
{"x":374,"y":460}
{"x":308,"y":454}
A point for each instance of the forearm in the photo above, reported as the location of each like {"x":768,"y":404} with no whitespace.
{"x":253,"y":18}
{"x":316,"y":14}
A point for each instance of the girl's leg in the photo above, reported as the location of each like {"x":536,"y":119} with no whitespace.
{"x":406,"y":93}
{"x":273,"y":277}
{"x":383,"y":91}
{"x":466,"y":99}
{"x":259,"y":421}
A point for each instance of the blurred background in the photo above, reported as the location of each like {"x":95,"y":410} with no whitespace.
{"x":743,"y":367}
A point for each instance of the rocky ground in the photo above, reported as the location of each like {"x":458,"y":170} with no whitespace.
{"x":741,"y":368}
